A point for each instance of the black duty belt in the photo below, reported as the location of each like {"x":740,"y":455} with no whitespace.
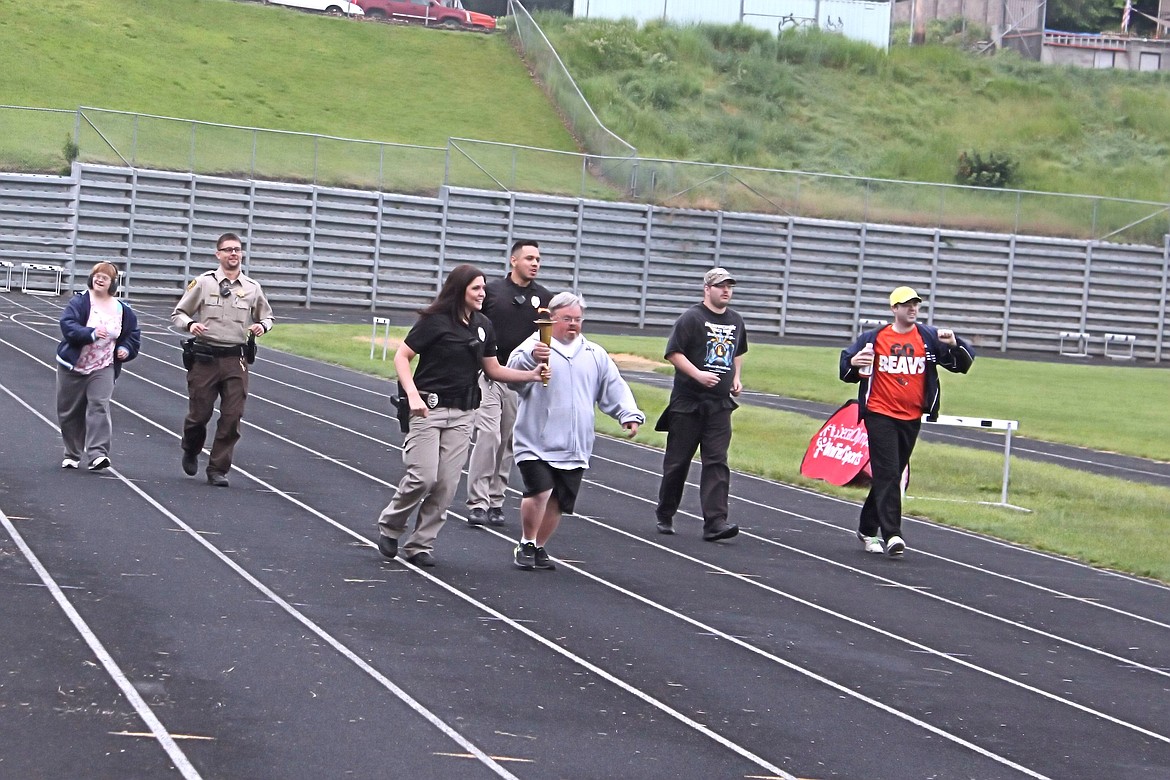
{"x":462,"y":401}
{"x":209,"y":349}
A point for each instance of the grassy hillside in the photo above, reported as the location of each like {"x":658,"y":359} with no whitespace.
{"x":821,"y":103}
{"x":265,"y":66}
{"x":719,"y":94}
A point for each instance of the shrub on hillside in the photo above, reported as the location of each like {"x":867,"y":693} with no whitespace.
{"x":736,"y":37}
{"x":997,"y":170}
{"x":830,"y":50}
{"x":660,"y":90}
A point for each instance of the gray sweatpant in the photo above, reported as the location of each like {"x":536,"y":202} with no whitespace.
{"x":83,"y":412}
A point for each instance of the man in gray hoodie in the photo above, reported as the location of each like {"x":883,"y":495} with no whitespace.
{"x":554,"y":424}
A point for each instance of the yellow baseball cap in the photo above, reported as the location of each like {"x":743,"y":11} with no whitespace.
{"x":904,"y":295}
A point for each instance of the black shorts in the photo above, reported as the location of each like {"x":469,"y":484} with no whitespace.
{"x":564,"y":483}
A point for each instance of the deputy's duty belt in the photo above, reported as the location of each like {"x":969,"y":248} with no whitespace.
{"x":233,"y":351}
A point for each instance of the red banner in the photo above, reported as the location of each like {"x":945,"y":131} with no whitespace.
{"x":839,"y":453}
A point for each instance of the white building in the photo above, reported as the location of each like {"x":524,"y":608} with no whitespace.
{"x":855,"y":19}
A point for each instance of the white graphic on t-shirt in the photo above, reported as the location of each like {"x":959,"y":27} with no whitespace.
{"x":720,"y":348}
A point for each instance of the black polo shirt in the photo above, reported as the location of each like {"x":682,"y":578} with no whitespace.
{"x":512,"y":310}
{"x":450,"y":354}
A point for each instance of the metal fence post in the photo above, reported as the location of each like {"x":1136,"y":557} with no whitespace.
{"x":1165,"y":291}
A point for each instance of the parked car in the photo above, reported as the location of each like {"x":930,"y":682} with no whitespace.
{"x":433,"y":13}
{"x":326,"y":6}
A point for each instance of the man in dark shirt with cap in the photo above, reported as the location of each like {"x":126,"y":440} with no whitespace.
{"x":706,"y":348}
{"x":513,"y":304}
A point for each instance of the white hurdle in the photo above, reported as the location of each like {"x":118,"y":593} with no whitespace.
{"x":385,"y":323}
{"x":1120,"y":342}
{"x":983,"y":423}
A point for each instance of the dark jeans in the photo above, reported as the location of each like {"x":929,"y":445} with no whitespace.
{"x":224,"y":379}
{"x":891,"y":443}
{"x":710,"y":433}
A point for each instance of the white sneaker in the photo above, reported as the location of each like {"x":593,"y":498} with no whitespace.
{"x":70,"y":463}
{"x":895,"y":546}
{"x":872,"y":543}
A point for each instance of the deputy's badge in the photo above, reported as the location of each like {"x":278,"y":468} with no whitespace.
{"x":535,"y":302}
{"x":240,"y":293}
{"x":431,"y":400}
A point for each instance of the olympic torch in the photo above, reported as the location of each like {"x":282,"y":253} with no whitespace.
{"x":544,"y":324}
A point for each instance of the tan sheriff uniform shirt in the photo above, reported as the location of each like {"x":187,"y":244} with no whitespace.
{"x":227,"y":317}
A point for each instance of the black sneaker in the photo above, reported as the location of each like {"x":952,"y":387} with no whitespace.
{"x":190,"y":463}
{"x":423,"y":558}
{"x":387,"y":545}
{"x":666,"y":527}
{"x":477,"y":517}
{"x":720,"y":533}
{"x":495,"y":516}
{"x":525,"y":555}
{"x":543,"y":561}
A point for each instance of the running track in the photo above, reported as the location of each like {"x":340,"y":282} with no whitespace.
{"x":157,"y":627}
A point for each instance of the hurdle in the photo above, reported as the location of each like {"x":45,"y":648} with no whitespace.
{"x":385,"y":323}
{"x":56,"y":270}
{"x":1078,"y":343}
{"x":1121,"y":340}
{"x":983,"y":423}
{"x":864,"y":325}
{"x":7,"y":266}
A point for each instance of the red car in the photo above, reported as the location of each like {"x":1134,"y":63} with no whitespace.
{"x":433,"y":13}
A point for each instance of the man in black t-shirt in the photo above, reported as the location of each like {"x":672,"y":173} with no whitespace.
{"x":706,"y":348}
{"x":513,"y":304}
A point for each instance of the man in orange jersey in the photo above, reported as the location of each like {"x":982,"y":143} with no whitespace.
{"x":897,"y":368}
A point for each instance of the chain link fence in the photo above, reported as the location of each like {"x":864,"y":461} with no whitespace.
{"x":42,"y":140}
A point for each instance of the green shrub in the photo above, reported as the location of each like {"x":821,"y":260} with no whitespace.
{"x":735,"y":37}
{"x":70,"y":151}
{"x":815,"y":47}
{"x":660,"y":90}
{"x":997,"y":170}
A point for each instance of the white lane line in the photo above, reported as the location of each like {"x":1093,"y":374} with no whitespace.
{"x":920,"y":647}
{"x":836,"y":686}
{"x":662,"y":706}
{"x":918,"y":589}
{"x":152,"y":722}
{"x":922,"y":551}
{"x":1058,"y":594}
{"x":268,"y":593}
{"x":713,"y":735}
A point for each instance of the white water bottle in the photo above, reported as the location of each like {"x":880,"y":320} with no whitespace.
{"x":866,"y":370}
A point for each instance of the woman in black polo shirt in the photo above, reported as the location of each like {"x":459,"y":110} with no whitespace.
{"x":453,"y":342}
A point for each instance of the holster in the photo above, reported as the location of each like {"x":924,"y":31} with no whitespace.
{"x":250,"y":349}
{"x":188,"y":346}
{"x":193,"y":350}
{"x":402,"y":406}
